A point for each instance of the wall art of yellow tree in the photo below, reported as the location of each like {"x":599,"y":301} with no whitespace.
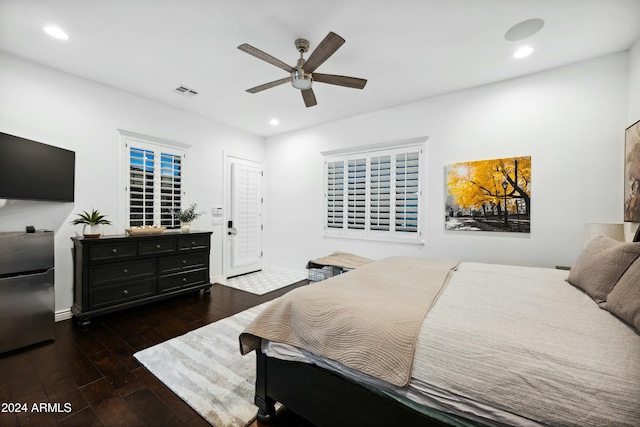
{"x":489,"y":195}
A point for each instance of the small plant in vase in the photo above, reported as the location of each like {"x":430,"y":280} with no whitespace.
{"x":92,"y":222}
{"x":187,"y":216}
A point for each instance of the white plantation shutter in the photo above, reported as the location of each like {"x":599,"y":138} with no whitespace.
{"x":374,"y":194}
{"x":406,"y":193}
{"x":380,"y":191}
{"x":141,"y":186}
{"x":154,"y":184}
{"x":170,"y":188}
{"x":335,"y":194}
{"x":356,"y":193}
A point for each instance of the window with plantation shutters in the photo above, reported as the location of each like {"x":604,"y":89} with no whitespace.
{"x":153,"y":182}
{"x":375,"y":194}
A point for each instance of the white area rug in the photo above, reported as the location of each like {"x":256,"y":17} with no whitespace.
{"x":262,"y":282}
{"x":204,"y":367}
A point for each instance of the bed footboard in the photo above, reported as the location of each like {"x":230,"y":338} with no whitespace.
{"x":325,"y":398}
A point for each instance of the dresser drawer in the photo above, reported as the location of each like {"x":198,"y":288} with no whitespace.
{"x":193,"y":242}
{"x":117,"y":294}
{"x":186,"y":261}
{"x":182,"y":280}
{"x":152,"y":247}
{"x":117,"y":272}
{"x":112,"y":251}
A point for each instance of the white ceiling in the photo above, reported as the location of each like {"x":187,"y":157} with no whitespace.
{"x":407,"y":49}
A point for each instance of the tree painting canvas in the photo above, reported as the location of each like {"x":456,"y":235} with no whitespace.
{"x":489,"y":195}
{"x":632,"y":173}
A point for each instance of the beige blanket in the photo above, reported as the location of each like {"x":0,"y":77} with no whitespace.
{"x":340,"y":259}
{"x":367,"y":319}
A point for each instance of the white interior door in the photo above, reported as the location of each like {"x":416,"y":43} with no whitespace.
{"x":244,"y":219}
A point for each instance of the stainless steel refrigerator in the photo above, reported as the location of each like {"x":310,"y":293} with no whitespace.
{"x":27,"y":300}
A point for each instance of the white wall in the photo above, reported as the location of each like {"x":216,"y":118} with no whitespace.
{"x":58,"y":109}
{"x":634,"y":83}
{"x":569,"y":120}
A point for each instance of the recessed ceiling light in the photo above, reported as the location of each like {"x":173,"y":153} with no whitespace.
{"x":56,"y":33}
{"x":274,"y":122}
{"x":523,"y":52}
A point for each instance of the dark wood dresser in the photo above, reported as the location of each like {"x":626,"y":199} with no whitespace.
{"x":116,"y":272}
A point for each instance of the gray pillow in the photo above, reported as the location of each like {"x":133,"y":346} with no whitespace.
{"x":602,"y":262}
{"x":624,"y":299}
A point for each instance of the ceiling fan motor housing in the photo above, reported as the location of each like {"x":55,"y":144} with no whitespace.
{"x":301,"y":80}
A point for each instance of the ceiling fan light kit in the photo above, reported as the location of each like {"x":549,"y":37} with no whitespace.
{"x":302,"y":76}
{"x":301,"y":80}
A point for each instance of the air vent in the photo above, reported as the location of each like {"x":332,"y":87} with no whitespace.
{"x":182,"y":90}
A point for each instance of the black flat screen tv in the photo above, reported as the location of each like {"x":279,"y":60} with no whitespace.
{"x":30,"y":170}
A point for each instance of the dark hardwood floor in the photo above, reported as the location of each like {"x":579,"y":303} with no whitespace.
{"x":91,"y":374}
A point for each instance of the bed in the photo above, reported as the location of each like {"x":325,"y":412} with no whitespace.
{"x":497,"y":345}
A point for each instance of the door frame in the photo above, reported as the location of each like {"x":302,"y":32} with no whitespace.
{"x":226,"y":195}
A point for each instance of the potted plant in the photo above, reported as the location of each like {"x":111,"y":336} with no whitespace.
{"x":187,"y":216}
{"x":92,"y":222}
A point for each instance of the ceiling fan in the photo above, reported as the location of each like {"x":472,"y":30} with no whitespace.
{"x":303,"y":75}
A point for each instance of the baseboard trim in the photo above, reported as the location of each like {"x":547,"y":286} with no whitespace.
{"x":63,"y":315}
{"x":216,"y":279}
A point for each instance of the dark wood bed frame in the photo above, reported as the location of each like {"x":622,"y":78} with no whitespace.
{"x":325,"y":398}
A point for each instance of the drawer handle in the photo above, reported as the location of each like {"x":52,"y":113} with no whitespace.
{"x":125,"y":292}
{"x":184,"y":261}
{"x":184,"y":280}
{"x":158,"y":247}
{"x":114,"y":250}
{"x":125,"y":271}
{"x":193,"y":243}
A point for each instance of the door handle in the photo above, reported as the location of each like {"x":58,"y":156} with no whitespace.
{"x":232,"y":231}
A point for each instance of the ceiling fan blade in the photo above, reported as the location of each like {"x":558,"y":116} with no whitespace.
{"x":325,"y":49}
{"x":332,"y":79}
{"x":265,"y":57}
{"x":268,"y":85}
{"x":309,"y":97}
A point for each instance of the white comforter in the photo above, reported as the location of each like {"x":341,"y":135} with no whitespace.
{"x":519,"y":346}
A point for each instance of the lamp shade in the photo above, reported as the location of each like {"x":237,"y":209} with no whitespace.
{"x":593,"y":230}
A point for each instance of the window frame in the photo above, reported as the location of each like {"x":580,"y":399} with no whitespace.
{"x":159,"y":147}
{"x":369,"y":232}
